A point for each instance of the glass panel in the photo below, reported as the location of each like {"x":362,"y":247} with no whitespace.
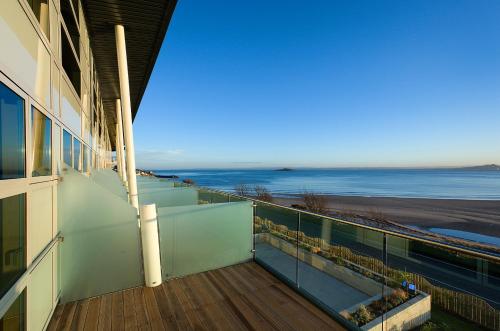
{"x":341,"y":265}
{"x":109,"y":180}
{"x":41,"y":10}
{"x":57,"y":149}
{"x":12,"y":145}
{"x":276,"y":239}
{"x":169,"y":197}
{"x":41,"y":144}
{"x":14,"y":318}
{"x":67,"y":149}
{"x":85,"y":159}
{"x":77,"y":158}
{"x":206,"y":196}
{"x":204,"y":237}
{"x":460,"y":286}
{"x":40,"y":293}
{"x":101,"y":252}
{"x":13,"y":241}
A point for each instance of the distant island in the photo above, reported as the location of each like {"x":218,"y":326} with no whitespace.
{"x":487,"y":167}
{"x":284,"y":169}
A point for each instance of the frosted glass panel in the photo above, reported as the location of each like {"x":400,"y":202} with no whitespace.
{"x":109,"y":180}
{"x":101,"y":249}
{"x":40,"y":293}
{"x":204,"y":237}
{"x":154,"y":184}
{"x":169,"y":197}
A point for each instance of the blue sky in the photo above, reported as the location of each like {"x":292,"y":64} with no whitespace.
{"x":324,"y":84}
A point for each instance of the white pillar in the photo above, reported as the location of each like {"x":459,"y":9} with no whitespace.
{"x":121,"y":53}
{"x":150,"y":245}
{"x":119,"y":142}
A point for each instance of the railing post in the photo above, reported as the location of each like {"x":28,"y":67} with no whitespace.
{"x":150,"y":245}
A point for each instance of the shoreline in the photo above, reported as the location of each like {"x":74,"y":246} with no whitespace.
{"x":415,"y":214}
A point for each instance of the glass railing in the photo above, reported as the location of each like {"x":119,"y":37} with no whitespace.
{"x":374,"y":279}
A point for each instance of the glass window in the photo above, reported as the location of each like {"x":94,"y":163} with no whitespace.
{"x":41,"y":140}
{"x":57,"y":149}
{"x":15,"y":316}
{"x":77,"y":155}
{"x":12,"y":239}
{"x":85,"y":159}
{"x":12,"y":144}
{"x":67,"y":151}
{"x":41,"y":10}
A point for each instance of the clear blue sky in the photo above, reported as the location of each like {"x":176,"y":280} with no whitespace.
{"x":324,"y":84}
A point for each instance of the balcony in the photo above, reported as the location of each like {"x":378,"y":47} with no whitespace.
{"x":243,"y":296}
{"x":232,"y":262}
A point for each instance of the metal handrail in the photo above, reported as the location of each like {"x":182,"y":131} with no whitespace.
{"x":16,"y":289}
{"x":473,"y":252}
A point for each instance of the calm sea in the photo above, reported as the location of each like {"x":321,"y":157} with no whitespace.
{"x":415,"y":183}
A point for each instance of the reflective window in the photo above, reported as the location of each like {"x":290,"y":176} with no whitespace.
{"x":77,"y":163}
{"x":41,"y":10}
{"x":56,"y":149}
{"x":85,"y":159}
{"x":12,"y":228}
{"x":14,"y":318}
{"x":67,"y":151}
{"x":41,"y":140}
{"x":12,"y":144}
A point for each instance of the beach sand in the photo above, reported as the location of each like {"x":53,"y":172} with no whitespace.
{"x":479,"y":216}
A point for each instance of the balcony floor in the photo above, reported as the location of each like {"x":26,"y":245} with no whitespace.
{"x":241,"y":297}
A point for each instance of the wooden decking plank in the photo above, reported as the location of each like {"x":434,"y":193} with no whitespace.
{"x":153,"y":311}
{"x":67,"y":316}
{"x":80,"y":315}
{"x":141,"y":312}
{"x":129,"y":316}
{"x":92,"y":319}
{"x":165,"y":308}
{"x":192,"y":316}
{"x":105,"y":313}
{"x":117,"y":319}
{"x":248,"y":314}
{"x":181,"y":318}
{"x":240,"y":297}
{"x":55,"y":318}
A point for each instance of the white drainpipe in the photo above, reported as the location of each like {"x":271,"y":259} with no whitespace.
{"x":121,"y":53}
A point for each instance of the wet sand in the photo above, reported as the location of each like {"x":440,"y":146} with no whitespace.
{"x":477,"y":216}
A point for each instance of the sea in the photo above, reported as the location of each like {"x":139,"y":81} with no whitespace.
{"x":406,"y":183}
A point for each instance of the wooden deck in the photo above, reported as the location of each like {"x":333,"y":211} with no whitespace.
{"x":241,"y":297}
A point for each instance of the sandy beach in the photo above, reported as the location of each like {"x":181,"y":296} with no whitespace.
{"x":479,"y":216}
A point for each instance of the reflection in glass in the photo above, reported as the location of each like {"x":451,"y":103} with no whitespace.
{"x":77,"y":158}
{"x":12,"y":239}
{"x":14,"y":317}
{"x":11,"y":134}
{"x":85,"y":159}
{"x":57,"y":149}
{"x":41,"y":10}
{"x":41,"y":140}
{"x":67,"y":151}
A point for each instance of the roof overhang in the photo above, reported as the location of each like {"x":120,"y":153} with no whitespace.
{"x":146,"y":23}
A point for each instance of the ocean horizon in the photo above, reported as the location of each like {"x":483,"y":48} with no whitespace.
{"x":432,"y":183}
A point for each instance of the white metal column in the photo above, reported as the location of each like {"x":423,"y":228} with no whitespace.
{"x":121,"y":53}
{"x":119,"y":142}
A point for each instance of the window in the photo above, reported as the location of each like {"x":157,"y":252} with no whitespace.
{"x":41,"y":140}
{"x":69,"y":62}
{"x":12,"y":143}
{"x":70,"y":20}
{"x":57,"y":149}
{"x":14,"y":318}
{"x":77,"y":165}
{"x":67,"y":150}
{"x":85,"y":159}
{"x":12,"y":237}
{"x":41,"y":10}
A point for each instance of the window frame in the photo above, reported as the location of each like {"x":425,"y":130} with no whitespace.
{"x":37,"y":179}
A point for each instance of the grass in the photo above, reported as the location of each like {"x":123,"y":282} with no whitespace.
{"x":442,"y":320}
